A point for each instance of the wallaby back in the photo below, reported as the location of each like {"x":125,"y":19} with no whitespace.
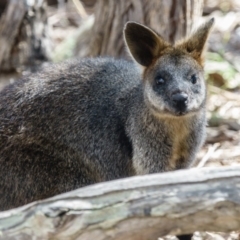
{"x":93,"y":120}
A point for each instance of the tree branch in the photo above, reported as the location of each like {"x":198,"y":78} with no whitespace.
{"x":23,"y":35}
{"x":137,"y":208}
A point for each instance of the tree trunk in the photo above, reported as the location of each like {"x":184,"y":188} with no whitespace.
{"x":23,"y":34}
{"x":137,"y":208}
{"x":173,"y":19}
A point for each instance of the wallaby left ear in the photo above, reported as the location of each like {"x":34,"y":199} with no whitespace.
{"x":195,"y":44}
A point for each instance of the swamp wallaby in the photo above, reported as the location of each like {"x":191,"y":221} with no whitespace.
{"x":93,"y":120}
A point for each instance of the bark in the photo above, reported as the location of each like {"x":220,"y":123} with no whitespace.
{"x":137,"y":208}
{"x":23,"y":34}
{"x":172,"y":19}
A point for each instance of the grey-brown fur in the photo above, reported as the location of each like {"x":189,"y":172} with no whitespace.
{"x":93,"y":120}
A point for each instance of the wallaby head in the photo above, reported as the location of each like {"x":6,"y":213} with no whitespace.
{"x":172,"y":74}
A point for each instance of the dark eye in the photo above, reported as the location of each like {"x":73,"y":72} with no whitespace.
{"x":193,"y":78}
{"x":160,"y":81}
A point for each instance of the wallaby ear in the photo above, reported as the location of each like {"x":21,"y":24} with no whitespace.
{"x":143,"y":43}
{"x":195,"y":44}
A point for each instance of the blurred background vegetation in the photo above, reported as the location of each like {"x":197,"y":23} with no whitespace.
{"x":34,"y":33}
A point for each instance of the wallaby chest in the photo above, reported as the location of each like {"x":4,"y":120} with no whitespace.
{"x":179,"y":132}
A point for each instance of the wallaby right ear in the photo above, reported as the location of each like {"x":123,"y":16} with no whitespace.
{"x":143,"y":43}
{"x":195,"y":44}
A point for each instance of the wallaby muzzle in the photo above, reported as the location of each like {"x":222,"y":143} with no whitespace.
{"x":179,"y":101}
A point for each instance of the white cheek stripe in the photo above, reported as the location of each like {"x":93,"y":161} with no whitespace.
{"x":155,"y":100}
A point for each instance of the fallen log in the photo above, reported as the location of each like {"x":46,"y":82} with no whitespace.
{"x":137,"y":208}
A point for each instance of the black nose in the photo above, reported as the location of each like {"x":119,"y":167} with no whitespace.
{"x":180,"y":98}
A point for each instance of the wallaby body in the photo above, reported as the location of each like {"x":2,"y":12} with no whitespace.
{"x":93,"y":120}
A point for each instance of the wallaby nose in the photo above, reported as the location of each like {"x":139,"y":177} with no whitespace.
{"x":180,"y":98}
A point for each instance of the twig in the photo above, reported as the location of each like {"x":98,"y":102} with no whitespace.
{"x":227,"y":94}
{"x":227,"y":59}
{"x":80,"y":8}
{"x":209,"y":153}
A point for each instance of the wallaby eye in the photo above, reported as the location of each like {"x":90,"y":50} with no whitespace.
{"x":160,"y":81}
{"x":194,"y":79}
